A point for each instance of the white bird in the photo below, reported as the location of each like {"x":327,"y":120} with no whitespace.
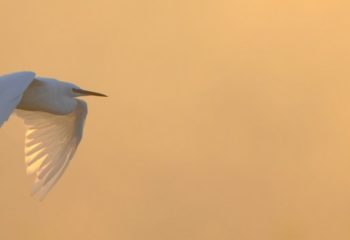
{"x":54,"y":121}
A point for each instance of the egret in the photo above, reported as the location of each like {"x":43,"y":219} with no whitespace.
{"x":54,"y":121}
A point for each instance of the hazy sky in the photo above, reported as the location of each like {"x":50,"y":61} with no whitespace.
{"x":226,"y":119}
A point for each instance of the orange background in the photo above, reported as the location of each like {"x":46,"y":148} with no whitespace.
{"x":226,"y":119}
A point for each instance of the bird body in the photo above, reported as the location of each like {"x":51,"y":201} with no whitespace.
{"x":54,"y":119}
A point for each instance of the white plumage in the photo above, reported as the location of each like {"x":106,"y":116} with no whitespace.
{"x":54,"y":120}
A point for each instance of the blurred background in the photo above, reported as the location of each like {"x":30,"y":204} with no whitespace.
{"x":225,"y":119}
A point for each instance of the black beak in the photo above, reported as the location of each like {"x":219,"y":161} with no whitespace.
{"x":88,"y":93}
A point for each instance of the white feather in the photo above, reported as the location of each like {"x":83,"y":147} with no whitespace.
{"x":12,"y":87}
{"x":50,"y":143}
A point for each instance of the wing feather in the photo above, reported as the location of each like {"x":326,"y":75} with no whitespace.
{"x":50,"y":143}
{"x":12,"y":87}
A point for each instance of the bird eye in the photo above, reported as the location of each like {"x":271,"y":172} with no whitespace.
{"x":75,"y":90}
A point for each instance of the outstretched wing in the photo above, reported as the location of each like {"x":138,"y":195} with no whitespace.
{"x":12,"y":87}
{"x":50,"y":143}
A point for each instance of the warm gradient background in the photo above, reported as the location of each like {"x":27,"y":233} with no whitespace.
{"x":226,"y":119}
